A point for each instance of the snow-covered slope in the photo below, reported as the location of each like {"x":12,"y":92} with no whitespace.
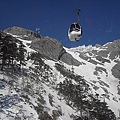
{"x":34,"y":92}
{"x":98,"y":75}
{"x":29,"y":95}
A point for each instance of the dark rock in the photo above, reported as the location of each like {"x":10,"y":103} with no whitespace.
{"x":118,"y":88}
{"x":93,"y":61}
{"x":94,"y":52}
{"x":52,"y":48}
{"x":56,"y":114}
{"x":103,"y":60}
{"x":105,"y":90}
{"x":47,"y":46}
{"x":67,"y":58}
{"x":114,"y":54}
{"x":103,"y":53}
{"x":83,"y":56}
{"x":43,"y":115}
{"x":103,"y":83}
{"x":95,"y":73}
{"x":100,"y":69}
{"x":116,"y":71}
{"x":113,"y":46}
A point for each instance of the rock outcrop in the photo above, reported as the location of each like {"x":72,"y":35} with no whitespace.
{"x":53,"y":49}
{"x":22,"y":33}
{"x":116,"y":71}
{"x":48,"y":47}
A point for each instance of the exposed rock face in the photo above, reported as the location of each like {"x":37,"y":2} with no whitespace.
{"x":103,"y":53}
{"x":67,"y":58}
{"x":48,"y":46}
{"x":116,"y":71}
{"x":22,"y":32}
{"x":103,"y":60}
{"x":52,"y":48}
{"x":114,"y":49}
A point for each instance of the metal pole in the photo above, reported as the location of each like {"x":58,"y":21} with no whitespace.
{"x":78,"y":13}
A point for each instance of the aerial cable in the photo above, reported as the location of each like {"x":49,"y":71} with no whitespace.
{"x":37,"y":29}
{"x":78,"y":13}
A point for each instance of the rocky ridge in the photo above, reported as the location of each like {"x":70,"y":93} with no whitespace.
{"x":47,"y":46}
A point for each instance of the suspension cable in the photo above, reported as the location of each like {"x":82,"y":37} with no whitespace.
{"x":78,"y":13}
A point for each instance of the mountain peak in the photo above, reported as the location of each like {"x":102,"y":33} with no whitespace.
{"x":22,"y":33}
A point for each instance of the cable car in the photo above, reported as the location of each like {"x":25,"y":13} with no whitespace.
{"x":75,"y":30}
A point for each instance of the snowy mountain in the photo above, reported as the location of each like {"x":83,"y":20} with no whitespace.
{"x":42,"y":80}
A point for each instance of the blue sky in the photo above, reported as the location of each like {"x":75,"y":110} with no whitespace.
{"x":100,"y":19}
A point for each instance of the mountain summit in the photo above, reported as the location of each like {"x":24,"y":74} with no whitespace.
{"x":42,"y":80}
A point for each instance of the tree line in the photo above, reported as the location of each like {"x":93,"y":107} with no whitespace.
{"x":12,"y":52}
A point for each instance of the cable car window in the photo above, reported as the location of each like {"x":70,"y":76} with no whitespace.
{"x":77,"y":26}
{"x":72,"y":27}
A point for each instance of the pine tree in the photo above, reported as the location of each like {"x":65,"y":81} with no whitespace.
{"x":21,"y":54}
{"x":10,"y":51}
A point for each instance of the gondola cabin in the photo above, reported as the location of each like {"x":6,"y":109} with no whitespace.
{"x":75,"y":32}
